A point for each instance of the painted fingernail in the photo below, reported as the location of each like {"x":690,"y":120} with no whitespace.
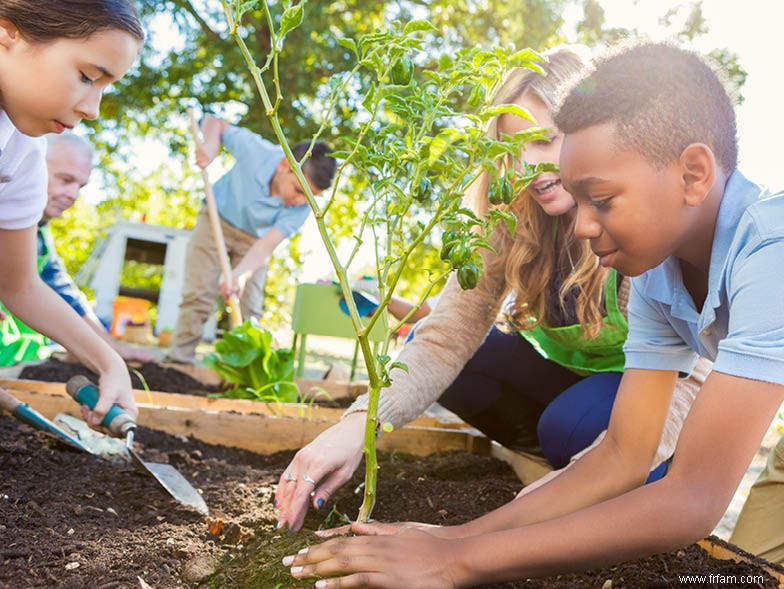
{"x":275,"y":503}
{"x":279,"y":525}
{"x":296,"y":570}
{"x":320,"y":503}
{"x":303,"y":551}
{"x":287,"y":560}
{"x":321,"y":584}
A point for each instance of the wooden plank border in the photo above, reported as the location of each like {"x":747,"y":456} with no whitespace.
{"x":182,"y":401}
{"x":250,"y":425}
{"x":721,"y":550}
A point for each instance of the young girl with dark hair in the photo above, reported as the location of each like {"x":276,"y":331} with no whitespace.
{"x":56,"y":59}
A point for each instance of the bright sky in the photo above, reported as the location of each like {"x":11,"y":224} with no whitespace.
{"x":752,"y":30}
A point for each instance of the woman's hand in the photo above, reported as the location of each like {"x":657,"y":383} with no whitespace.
{"x":319,"y":469}
{"x":413,"y":559}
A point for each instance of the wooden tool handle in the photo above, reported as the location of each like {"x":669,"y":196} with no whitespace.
{"x":235,"y":317}
{"x":8,"y":401}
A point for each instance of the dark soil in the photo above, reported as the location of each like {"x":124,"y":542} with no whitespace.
{"x":69,"y":520}
{"x":156,"y":377}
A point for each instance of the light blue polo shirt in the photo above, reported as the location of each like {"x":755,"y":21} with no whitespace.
{"x":242,"y":195}
{"x":741,"y":324}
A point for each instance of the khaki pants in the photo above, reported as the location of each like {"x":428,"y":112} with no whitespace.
{"x":760,"y":527}
{"x":201,"y":284}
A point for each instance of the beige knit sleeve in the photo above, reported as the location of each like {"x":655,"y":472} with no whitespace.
{"x":444,"y":341}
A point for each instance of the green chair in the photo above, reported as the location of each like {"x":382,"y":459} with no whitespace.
{"x":317,"y":312}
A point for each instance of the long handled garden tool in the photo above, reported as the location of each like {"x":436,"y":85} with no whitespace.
{"x":120,"y":424}
{"x":235,"y":317}
{"x":26,"y":414}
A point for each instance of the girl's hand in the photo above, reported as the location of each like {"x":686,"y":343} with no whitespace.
{"x":319,"y":469}
{"x":414,"y":560}
{"x":115,"y":387}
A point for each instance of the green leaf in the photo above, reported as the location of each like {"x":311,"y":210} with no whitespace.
{"x":291,"y":19}
{"x":370,"y":97}
{"x":514,"y":109}
{"x":547,"y":167}
{"x":401,"y":365}
{"x":525,"y":55}
{"x":247,"y":6}
{"x":418,"y":25}
{"x":441,"y":143}
{"x":349,"y":44}
{"x":497,"y":215}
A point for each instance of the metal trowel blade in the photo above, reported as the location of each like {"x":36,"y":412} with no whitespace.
{"x":172,"y":480}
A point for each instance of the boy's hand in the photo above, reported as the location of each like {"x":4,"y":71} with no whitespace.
{"x":415,"y":560}
{"x":229,"y":288}
{"x":386,"y":529}
{"x":234,"y":285}
{"x":206,"y":152}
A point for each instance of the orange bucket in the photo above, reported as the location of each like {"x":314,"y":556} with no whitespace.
{"x":128,"y":310}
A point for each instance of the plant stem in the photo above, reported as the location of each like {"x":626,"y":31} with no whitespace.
{"x":362,"y":335}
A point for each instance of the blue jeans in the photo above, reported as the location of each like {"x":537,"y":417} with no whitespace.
{"x":513,"y":395}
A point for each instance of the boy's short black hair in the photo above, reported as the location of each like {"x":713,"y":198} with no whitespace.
{"x":320,"y":167}
{"x":661,"y":98}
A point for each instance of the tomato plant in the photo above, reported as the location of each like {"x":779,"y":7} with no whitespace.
{"x":416,"y":153}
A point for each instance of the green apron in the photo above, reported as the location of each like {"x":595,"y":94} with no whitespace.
{"x":569,"y":346}
{"x":19,"y":343}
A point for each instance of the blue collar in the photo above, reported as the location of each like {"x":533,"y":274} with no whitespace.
{"x":665,"y":282}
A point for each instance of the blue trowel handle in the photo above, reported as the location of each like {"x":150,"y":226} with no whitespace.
{"x":85,"y":392}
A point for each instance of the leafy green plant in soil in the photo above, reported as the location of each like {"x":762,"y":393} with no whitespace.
{"x":246,"y":358}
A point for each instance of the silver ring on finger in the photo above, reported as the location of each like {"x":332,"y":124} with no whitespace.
{"x":307,"y":478}
{"x":289,"y":478}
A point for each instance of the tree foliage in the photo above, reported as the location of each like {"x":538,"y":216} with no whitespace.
{"x":190,"y":60}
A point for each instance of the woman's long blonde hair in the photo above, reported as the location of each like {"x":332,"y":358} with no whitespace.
{"x":542,"y":244}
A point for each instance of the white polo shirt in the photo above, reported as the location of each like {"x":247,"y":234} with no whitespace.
{"x":23,"y":177}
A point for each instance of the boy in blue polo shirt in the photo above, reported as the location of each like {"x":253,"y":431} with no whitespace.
{"x":260,"y":203}
{"x":649,"y":154}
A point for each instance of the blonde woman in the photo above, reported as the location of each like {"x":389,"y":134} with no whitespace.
{"x":549,"y":383}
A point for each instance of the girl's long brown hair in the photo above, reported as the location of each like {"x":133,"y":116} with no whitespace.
{"x":542,"y":244}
